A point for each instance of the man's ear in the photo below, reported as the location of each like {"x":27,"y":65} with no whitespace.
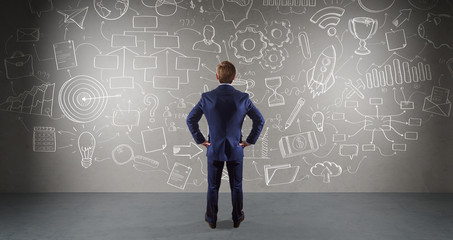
{"x":217,"y":76}
{"x":234,"y":76}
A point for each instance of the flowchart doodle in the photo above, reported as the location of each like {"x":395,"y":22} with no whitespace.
{"x":82,"y":99}
{"x":110,"y":84}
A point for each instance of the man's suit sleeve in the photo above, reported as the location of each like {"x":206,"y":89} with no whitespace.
{"x":192,"y":122}
{"x":258,"y":122}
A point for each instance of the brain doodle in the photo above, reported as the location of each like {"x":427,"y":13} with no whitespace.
{"x":248,"y":44}
{"x":82,"y":99}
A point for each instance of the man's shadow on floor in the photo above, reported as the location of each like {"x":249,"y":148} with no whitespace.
{"x":224,"y":224}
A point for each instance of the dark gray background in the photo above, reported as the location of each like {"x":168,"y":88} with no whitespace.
{"x":425,"y":165}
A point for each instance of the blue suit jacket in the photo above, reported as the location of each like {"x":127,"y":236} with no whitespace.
{"x":225,"y":109}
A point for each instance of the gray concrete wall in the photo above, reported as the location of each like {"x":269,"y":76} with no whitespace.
{"x":356,"y":94}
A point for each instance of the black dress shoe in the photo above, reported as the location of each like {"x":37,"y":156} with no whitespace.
{"x":236,"y":224}
{"x":210,"y":225}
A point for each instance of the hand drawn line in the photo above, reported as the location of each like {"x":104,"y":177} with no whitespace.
{"x":358,"y":166}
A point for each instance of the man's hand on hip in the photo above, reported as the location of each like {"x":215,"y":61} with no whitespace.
{"x":206,"y":144}
{"x":244,"y":144}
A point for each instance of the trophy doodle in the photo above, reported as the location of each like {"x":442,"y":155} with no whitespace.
{"x":363,"y":28}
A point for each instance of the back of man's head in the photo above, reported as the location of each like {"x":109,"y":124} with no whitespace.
{"x":225,"y":72}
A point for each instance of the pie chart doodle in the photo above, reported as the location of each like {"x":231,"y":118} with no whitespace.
{"x":82,"y":99}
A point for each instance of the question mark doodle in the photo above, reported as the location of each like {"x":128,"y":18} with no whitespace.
{"x":149,"y":100}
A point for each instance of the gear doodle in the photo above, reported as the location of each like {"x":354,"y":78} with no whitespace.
{"x":248,"y":44}
{"x":278,"y":33}
{"x":273,"y":59}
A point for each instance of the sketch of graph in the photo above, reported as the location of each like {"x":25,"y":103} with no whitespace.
{"x":259,"y":150}
{"x":398,"y":73}
{"x":36,"y":101}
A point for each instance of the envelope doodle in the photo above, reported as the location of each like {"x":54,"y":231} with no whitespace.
{"x":27,"y":35}
{"x":438,"y":102}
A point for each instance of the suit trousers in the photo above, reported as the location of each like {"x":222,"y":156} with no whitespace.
{"x":215,"y":169}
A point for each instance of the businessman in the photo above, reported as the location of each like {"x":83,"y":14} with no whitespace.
{"x":225,"y":109}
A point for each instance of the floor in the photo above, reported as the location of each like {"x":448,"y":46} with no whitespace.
{"x":110,"y":216}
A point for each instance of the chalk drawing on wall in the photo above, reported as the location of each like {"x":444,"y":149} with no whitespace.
{"x":375,"y":6}
{"x":328,"y":17}
{"x":235,"y":11}
{"x":329,"y":76}
{"x":75,"y":16}
{"x":248,"y":44}
{"x":362,"y":28}
{"x":37,"y":101}
{"x":44,"y":139}
{"x":111,"y":9}
{"x":320,"y":78}
{"x":280,"y":174}
{"x":326,"y":170}
{"x":86,"y":144}
{"x":82,"y":99}
{"x":19,"y":65}
{"x":433,"y":25}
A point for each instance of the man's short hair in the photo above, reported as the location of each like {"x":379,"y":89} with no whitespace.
{"x":225,"y":72}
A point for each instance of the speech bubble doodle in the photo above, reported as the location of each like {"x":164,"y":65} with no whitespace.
{"x":126,"y":118}
{"x":349,"y":150}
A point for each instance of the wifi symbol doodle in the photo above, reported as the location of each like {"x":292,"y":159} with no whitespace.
{"x":328,"y":17}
